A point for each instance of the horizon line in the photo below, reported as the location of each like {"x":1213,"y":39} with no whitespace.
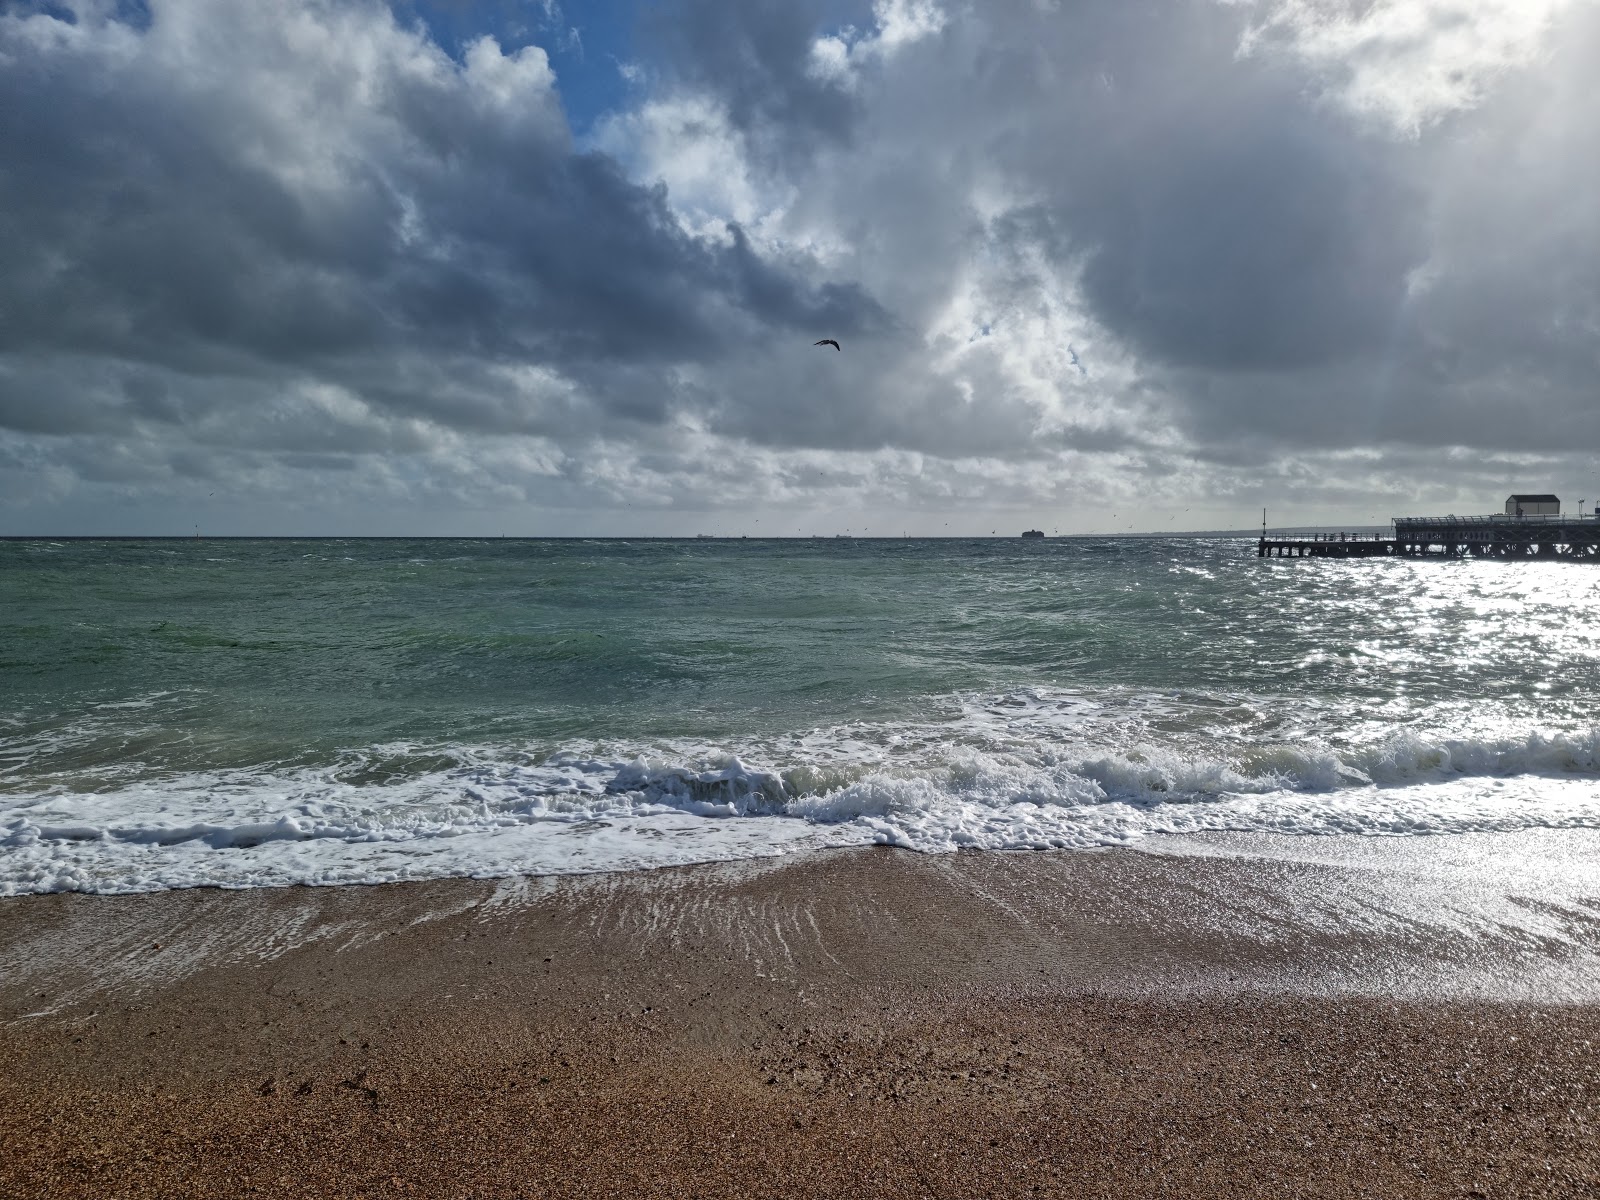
{"x":651,"y":537}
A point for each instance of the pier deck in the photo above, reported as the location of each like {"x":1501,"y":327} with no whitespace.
{"x":1492,"y":536}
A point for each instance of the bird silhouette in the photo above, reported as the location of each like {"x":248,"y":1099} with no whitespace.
{"x":827,"y":342}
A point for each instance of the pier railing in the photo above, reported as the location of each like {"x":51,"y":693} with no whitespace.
{"x":1327,"y":537}
{"x":1497,"y":535}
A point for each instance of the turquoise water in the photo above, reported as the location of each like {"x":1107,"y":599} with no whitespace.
{"x":240,"y":712}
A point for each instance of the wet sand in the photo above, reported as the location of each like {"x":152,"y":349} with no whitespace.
{"x":1216,"y":1016}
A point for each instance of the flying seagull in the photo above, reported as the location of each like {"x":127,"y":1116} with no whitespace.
{"x":827,"y":342}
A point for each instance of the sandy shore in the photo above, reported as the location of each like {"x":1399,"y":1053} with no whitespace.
{"x":1219,"y":1016}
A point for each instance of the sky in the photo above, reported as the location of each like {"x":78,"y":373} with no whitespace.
{"x":542,"y":267}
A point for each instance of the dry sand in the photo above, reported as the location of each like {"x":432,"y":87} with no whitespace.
{"x":1226,"y":1016}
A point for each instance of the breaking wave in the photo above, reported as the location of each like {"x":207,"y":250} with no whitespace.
{"x":1033,"y":770}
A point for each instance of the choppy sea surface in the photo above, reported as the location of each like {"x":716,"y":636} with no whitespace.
{"x":260,"y":713}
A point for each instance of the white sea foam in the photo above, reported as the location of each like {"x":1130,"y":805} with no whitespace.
{"x":1023,"y":771}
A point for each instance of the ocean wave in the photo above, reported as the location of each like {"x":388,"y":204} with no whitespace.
{"x":1026,"y":771}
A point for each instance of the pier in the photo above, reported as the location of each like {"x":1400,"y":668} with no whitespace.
{"x":1493,"y":536}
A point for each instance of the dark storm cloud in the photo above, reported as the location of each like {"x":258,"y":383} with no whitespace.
{"x":566,"y":260}
{"x":1227,"y":217}
{"x":1233,"y":247}
{"x":145,"y":224}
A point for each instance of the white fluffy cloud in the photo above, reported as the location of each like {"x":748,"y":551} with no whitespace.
{"x":838,"y":58}
{"x":1411,"y":62}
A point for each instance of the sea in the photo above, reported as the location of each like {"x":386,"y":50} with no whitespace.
{"x":246,"y":713}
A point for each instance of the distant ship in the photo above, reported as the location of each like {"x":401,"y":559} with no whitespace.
{"x":1033,"y":533}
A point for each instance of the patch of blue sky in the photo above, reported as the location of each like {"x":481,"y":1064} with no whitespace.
{"x":130,"y":12}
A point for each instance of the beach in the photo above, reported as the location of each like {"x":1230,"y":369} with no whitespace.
{"x":1219,"y":1015}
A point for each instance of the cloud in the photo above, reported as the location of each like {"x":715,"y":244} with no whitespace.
{"x":1075,"y":254}
{"x":294,"y":182}
{"x":1238,"y":248}
{"x":755,"y":57}
{"x":1409,"y":62}
{"x":839,"y":58}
